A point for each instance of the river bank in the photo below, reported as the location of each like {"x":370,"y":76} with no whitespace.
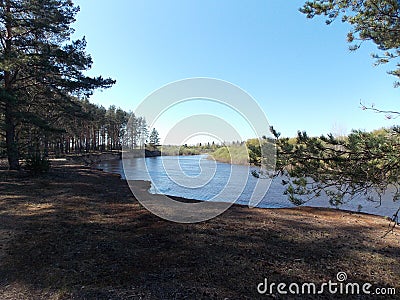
{"x":79,"y":233}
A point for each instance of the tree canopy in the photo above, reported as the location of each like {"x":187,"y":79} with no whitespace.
{"x":40,"y":69}
{"x":154,"y":138}
{"x":363,"y":164}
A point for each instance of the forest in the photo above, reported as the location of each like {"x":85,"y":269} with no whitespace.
{"x":86,"y":128}
{"x":44,"y":93}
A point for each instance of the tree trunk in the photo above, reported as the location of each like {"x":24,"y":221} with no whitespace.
{"x":11,"y":142}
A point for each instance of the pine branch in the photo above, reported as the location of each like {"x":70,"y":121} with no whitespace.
{"x":389,"y":113}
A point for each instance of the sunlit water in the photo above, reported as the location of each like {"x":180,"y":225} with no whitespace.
{"x":196,"y":177}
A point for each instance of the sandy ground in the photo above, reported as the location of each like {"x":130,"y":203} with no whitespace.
{"x":78,"y":233}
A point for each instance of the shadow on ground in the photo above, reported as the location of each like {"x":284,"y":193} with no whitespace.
{"x":78,"y":233}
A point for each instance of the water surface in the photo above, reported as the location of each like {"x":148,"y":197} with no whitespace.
{"x":196,"y":177}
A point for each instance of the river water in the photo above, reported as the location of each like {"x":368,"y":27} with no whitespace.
{"x":196,"y":177}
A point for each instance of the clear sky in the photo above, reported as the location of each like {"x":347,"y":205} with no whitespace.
{"x":299,"y":71}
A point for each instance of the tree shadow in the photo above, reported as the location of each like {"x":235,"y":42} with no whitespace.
{"x":70,"y":240}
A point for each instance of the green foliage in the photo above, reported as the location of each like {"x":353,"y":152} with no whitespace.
{"x":41,"y":69}
{"x":365,"y":163}
{"x":136,"y":132}
{"x":200,"y":148}
{"x":37,"y":164}
{"x":174,"y":150}
{"x":254,"y":151}
{"x":154,"y":138}
{"x":233,"y":154}
{"x":258,"y":152}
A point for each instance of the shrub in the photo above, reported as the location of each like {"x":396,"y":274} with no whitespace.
{"x":37,"y":164}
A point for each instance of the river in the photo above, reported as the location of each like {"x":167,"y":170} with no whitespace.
{"x":196,"y":177}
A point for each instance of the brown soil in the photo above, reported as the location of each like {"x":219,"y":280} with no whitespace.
{"x":78,"y":233}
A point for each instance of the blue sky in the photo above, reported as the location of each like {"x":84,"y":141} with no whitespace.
{"x":299,"y":71}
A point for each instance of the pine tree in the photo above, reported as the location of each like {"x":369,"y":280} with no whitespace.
{"x":39,"y":67}
{"x":154,"y":139}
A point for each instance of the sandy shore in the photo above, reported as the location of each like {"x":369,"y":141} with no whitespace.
{"x":78,"y":233}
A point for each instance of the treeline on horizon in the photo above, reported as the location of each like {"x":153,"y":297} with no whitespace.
{"x":250,"y":151}
{"x":269,"y":151}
